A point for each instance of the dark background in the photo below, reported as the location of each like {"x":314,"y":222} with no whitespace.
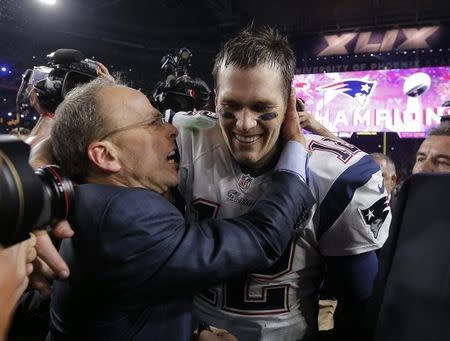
{"x":131,"y":36}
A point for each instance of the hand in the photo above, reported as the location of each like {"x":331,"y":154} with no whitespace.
{"x":215,"y":334}
{"x":103,"y":71}
{"x":15,"y":266}
{"x":49,"y":265}
{"x":291,"y":130}
{"x":308,"y":122}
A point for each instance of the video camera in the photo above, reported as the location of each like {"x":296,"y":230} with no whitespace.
{"x":28,"y":199}
{"x":65,"y":69}
{"x":178,"y":91}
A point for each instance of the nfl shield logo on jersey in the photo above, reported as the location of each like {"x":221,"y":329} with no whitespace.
{"x":245,"y":181}
{"x":375,"y":215}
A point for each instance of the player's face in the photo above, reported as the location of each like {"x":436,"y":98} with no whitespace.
{"x":433,"y":155}
{"x":389,"y":177}
{"x":145,"y":143}
{"x":251,"y":105}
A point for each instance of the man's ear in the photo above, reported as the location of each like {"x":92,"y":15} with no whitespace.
{"x":104,"y":156}
{"x":394,"y":179}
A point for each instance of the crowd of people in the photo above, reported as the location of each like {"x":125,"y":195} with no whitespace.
{"x":271,"y":220}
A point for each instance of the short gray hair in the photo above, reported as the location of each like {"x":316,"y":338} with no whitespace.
{"x":79,"y":121}
{"x":389,"y":163}
{"x":441,"y":130}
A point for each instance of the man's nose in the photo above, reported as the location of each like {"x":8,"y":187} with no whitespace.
{"x":245,"y":120}
{"x":173,"y":131}
{"x":428,"y":166}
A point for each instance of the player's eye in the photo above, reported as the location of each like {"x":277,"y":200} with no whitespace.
{"x":227,"y":115}
{"x":267,"y":116}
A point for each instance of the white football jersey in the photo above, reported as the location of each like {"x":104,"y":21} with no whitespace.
{"x":350,"y":216}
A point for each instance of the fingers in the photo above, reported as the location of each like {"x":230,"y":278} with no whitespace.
{"x":20,"y":289}
{"x":63,"y":230}
{"x":31,"y":248}
{"x":102,"y":70}
{"x":216,"y":334}
{"x":41,"y":277}
{"x":48,"y":254}
{"x":300,"y":105}
{"x":29,"y":269}
{"x":291,"y":111}
{"x":291,"y":127}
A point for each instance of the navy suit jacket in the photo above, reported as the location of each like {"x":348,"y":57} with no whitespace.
{"x":135,"y":263}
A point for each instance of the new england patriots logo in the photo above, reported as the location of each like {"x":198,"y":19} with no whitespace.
{"x":359,"y":90}
{"x":375,"y":215}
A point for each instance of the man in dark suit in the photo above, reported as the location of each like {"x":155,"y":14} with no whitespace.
{"x":134,"y":262}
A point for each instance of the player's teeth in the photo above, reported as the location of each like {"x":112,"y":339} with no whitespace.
{"x":246,"y":139}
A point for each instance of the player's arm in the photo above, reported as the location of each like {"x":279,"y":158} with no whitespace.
{"x":350,"y":279}
{"x":355,"y":225}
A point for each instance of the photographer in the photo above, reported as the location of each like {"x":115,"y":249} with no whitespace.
{"x":44,"y":87}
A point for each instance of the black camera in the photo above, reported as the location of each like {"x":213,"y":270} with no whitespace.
{"x":65,"y":69}
{"x":178,"y":91}
{"x":28,"y":199}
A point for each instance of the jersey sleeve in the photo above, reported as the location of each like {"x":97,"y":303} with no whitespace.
{"x":353,"y":213}
{"x":185,"y":141}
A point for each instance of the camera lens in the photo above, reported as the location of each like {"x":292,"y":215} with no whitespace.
{"x":58,"y":194}
{"x":28,"y":200}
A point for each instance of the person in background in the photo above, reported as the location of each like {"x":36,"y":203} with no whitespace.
{"x":46,"y":112}
{"x":433,"y":155}
{"x":387,"y":170}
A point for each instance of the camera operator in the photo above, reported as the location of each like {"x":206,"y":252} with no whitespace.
{"x":15,"y":267}
{"x":44,"y":87}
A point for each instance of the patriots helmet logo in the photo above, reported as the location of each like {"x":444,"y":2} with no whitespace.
{"x":359,"y":90}
{"x":375,"y":215}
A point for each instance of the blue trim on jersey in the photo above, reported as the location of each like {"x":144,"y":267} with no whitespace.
{"x":342,"y":191}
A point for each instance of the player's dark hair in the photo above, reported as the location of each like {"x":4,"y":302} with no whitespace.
{"x":254,"y":46}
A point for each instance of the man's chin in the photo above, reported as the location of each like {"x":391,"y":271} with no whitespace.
{"x":247,"y":160}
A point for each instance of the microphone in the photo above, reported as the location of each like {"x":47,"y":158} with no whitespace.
{"x":66,"y":56}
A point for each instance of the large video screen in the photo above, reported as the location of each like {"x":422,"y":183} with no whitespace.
{"x":400,"y":100}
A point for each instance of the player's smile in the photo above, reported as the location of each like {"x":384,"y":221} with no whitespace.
{"x":247,"y":139}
